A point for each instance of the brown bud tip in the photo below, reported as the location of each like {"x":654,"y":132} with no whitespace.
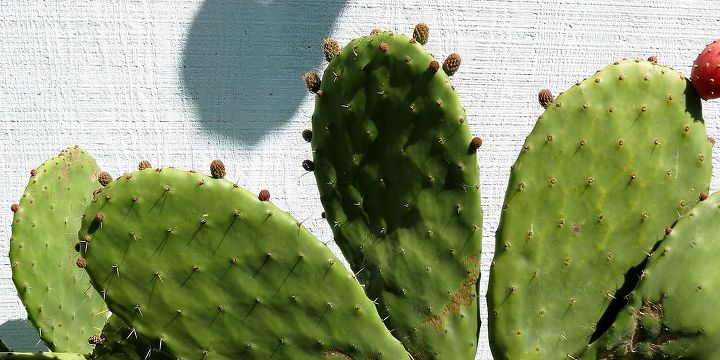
{"x":307,"y":135}
{"x":217,"y":169}
{"x":375,"y":31}
{"x":703,"y":196}
{"x":33,"y":172}
{"x":105,"y":178}
{"x":711,"y":140}
{"x":331,"y":48}
{"x":421,"y":33}
{"x":383,"y":47}
{"x":144,"y":165}
{"x":652,"y":59}
{"x":14,"y":207}
{"x":96,"y":340}
{"x":264,"y":195}
{"x":312,"y":81}
{"x":99,"y":217}
{"x":434,"y":66}
{"x":81,"y":263}
{"x":475,"y":143}
{"x":452,"y":64}
{"x":668,"y":230}
{"x":308,"y":165}
{"x":545,"y":97}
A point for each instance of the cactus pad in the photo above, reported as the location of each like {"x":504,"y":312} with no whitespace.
{"x":205,"y":269}
{"x":58,"y":297}
{"x":400,"y":187}
{"x":609,"y":165}
{"x":670,"y":314}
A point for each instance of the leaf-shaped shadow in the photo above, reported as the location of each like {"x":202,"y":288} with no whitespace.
{"x":244,"y":60}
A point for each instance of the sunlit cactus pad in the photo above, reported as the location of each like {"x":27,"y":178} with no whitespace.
{"x":609,"y":165}
{"x":57,"y":295}
{"x":204,"y":269}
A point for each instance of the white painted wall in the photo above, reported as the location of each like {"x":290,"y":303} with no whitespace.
{"x":183,"y":82}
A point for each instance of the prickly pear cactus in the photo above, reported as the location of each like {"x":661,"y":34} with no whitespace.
{"x":399,"y":182}
{"x":207,"y":270}
{"x":58,"y":297}
{"x":609,"y":165}
{"x":670,"y":314}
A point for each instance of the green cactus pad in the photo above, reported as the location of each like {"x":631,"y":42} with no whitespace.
{"x":680,"y":289}
{"x":57,"y":295}
{"x":609,"y":165}
{"x":400,"y":186}
{"x":119,"y":340}
{"x":207,"y":270}
{"x":41,"y":356}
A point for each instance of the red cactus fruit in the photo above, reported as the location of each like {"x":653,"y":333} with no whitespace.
{"x":308,"y":165}
{"x":312,"y":82}
{"x":383,"y":47}
{"x":264,"y":195}
{"x":452,"y":64}
{"x":475,"y":143}
{"x":705,"y":74}
{"x":545,"y":97}
{"x":703,"y":196}
{"x":307,"y":135}
{"x":331,"y":48}
{"x":105,"y":178}
{"x":96,"y":340}
{"x":217,"y":169}
{"x":421,"y":33}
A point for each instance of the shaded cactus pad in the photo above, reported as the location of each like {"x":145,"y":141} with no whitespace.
{"x":400,"y":187}
{"x":205,"y":269}
{"x":58,"y":297}
{"x":609,"y":165}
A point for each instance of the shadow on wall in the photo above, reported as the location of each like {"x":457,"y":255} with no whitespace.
{"x":244,"y":61}
{"x":20,"y":335}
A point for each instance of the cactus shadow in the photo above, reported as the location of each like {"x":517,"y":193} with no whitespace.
{"x":20,"y":335}
{"x":244,"y":59}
